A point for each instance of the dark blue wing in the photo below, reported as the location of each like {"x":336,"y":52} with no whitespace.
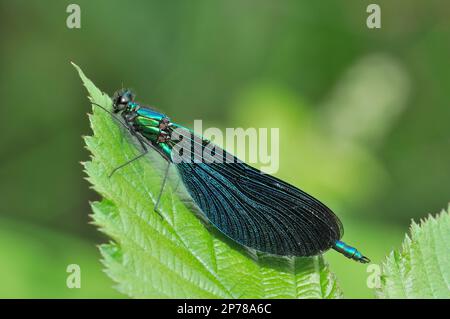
{"x":258,"y":210}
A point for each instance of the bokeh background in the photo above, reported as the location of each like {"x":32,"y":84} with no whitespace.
{"x":364,"y":115}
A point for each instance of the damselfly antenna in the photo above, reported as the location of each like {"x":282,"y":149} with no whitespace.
{"x":112,"y":114}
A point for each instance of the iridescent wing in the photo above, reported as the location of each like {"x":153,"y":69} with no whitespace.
{"x":255,"y":209}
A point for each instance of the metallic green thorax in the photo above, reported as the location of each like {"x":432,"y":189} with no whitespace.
{"x":157,"y":129}
{"x":148,"y":123}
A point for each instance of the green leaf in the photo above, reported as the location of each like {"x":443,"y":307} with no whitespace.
{"x":422,"y":268}
{"x":177,"y":256}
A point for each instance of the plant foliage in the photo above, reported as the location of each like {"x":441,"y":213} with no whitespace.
{"x":176,"y":255}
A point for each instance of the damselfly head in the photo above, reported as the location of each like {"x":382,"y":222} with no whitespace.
{"x":121,"y":100}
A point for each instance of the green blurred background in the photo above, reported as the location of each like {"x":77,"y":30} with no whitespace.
{"x":363,"y":114}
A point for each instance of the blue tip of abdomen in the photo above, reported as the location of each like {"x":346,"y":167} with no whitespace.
{"x":350,"y":252}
